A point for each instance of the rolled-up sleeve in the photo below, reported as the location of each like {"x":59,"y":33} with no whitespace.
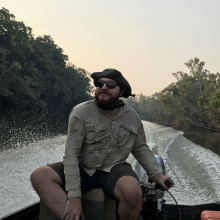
{"x":145,"y":156}
{"x":75,"y":136}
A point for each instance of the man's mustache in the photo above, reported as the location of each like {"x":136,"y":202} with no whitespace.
{"x":104,"y":92}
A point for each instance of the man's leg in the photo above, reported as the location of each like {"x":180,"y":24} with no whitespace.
{"x":128,"y":192}
{"x":47,"y":184}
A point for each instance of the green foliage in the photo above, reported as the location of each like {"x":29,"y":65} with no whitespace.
{"x":194,"y":98}
{"x":133,"y":102}
{"x":34,"y":73}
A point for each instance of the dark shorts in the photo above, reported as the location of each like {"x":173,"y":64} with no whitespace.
{"x":100,"y":179}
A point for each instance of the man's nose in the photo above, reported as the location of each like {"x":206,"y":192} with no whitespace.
{"x":104,"y":86}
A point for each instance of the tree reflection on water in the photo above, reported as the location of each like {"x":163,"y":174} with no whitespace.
{"x":208,"y":140}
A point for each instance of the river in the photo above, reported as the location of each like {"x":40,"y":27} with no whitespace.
{"x":194,"y":169}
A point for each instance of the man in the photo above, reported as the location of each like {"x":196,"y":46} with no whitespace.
{"x":101,"y":135}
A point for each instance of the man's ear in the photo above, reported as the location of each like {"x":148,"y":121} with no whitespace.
{"x":121,"y":92}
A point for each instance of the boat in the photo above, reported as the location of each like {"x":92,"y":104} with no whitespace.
{"x":153,"y":208}
{"x":169,"y":212}
{"x":154,"y":205}
{"x":30,"y":212}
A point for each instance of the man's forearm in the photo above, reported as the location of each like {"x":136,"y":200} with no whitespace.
{"x":148,"y":161}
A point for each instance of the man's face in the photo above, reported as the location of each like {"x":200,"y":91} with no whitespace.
{"x":107,"y":98}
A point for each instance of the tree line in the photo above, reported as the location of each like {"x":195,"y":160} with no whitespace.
{"x":194,"y":99}
{"x":34,"y":72}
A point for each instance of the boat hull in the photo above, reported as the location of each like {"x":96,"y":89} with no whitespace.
{"x":169,"y":212}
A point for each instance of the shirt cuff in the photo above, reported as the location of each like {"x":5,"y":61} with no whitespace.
{"x":156,"y":177}
{"x":75,"y":194}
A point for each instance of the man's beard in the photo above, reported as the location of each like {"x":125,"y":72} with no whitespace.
{"x":109,"y":104}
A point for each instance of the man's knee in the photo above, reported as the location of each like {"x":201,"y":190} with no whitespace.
{"x":128,"y":189}
{"x":43,"y":176}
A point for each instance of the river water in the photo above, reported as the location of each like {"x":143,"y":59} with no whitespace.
{"x":194,"y":169}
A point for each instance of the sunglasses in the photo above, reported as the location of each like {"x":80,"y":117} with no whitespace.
{"x":109,"y":84}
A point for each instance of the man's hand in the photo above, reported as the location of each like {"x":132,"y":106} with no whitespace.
{"x":73,"y":209}
{"x":162,"y":179}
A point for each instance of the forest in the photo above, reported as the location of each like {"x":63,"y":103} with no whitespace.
{"x":194,"y":99}
{"x":35,"y":74}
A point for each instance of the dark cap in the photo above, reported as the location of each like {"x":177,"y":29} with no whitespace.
{"x":117,"y":77}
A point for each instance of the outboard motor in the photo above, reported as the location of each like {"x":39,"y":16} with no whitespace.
{"x":153,"y":193}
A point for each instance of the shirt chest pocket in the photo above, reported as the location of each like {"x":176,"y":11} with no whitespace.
{"x":95,"y":132}
{"x":127,"y":134}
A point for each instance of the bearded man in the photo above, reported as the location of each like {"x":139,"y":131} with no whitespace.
{"x":101,"y":135}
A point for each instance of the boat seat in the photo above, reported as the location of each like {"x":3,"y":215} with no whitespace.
{"x":96,"y":206}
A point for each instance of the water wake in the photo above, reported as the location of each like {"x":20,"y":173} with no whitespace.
{"x":195,"y":170}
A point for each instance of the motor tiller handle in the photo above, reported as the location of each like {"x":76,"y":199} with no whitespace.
{"x":167,"y":183}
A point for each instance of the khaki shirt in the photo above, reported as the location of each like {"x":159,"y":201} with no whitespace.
{"x":97,"y":141}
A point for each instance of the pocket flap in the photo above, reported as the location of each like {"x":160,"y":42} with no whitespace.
{"x":101,"y":127}
{"x":96,"y":127}
{"x":90,"y":127}
{"x":129,"y":128}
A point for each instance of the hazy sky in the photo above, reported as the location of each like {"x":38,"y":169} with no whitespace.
{"x":146,"y":40}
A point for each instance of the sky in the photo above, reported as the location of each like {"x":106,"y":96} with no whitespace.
{"x":146,"y":40}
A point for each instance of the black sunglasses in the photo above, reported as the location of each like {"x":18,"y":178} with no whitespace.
{"x":109,"y":84}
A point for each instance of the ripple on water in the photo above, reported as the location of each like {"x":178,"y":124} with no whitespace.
{"x":195,"y":170}
{"x":16,"y":167}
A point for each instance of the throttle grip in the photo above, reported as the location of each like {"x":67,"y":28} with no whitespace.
{"x":167,"y":183}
